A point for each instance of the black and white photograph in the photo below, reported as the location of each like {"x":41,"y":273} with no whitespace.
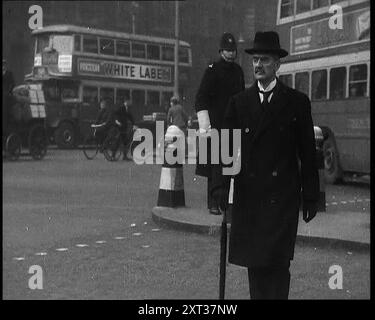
{"x":192,"y":151}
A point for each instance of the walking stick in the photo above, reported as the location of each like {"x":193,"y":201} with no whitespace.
{"x":223,"y":243}
{"x":223,"y":255}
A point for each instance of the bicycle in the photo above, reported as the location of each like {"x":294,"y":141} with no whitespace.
{"x":92,"y":146}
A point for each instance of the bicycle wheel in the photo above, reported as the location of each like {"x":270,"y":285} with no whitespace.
{"x":90,"y":147}
{"x":112,"y":147}
{"x":13,"y":147}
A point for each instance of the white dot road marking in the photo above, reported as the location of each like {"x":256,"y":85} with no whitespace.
{"x":359,"y":200}
{"x":19,"y":258}
{"x":132,"y":225}
{"x":145,"y":222}
{"x":137,"y":234}
{"x":344,"y":202}
{"x":119,"y":238}
{"x":100,"y":241}
{"x":146,"y":246}
{"x":334,"y":203}
{"x":41,"y":254}
{"x":352,"y":201}
{"x":367,"y":200}
{"x":81,"y":245}
{"x":62,"y":249}
{"x":155,"y":230}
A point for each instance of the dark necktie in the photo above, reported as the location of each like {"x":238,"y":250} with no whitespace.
{"x":266,"y":95}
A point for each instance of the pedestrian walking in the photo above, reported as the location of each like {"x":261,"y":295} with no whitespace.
{"x":8,"y":85}
{"x":221,"y":80}
{"x":176,"y":115}
{"x":277,"y":135}
{"x":125,"y":120}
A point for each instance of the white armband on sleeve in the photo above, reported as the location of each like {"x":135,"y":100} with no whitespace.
{"x":203,"y":120}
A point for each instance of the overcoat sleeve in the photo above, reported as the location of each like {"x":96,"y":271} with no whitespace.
{"x":306,"y":151}
{"x":205,"y":90}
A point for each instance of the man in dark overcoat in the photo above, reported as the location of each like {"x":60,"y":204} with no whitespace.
{"x":221,"y":80}
{"x":277,"y":164}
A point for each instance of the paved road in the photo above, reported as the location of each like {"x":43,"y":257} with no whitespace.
{"x":88,"y":224}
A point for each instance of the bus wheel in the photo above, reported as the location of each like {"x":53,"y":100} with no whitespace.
{"x":332,"y":170}
{"x":65,"y":136}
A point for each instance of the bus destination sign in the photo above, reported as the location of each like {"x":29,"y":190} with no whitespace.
{"x":114,"y":69}
{"x":317,"y":35}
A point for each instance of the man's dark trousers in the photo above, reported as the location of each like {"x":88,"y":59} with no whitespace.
{"x":269,"y":282}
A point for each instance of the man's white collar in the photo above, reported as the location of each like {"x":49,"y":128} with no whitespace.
{"x":269,"y":87}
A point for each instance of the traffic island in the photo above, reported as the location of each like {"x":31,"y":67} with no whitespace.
{"x":349,"y":230}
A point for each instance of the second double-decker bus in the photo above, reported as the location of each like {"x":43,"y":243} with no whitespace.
{"x":78,"y":66}
{"x":329,"y":60}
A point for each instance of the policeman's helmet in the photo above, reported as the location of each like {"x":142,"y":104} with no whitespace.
{"x":228,"y":42}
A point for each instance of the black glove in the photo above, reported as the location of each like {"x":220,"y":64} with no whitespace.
{"x":309,"y":210}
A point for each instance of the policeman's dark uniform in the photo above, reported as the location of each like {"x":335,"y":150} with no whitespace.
{"x":220,"y":81}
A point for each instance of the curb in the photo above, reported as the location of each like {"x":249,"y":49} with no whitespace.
{"x":214,"y":229}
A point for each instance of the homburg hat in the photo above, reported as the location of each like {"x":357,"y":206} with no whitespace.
{"x":267,"y":42}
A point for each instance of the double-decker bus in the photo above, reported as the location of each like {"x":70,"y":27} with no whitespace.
{"x":329,"y":60}
{"x":78,"y":66}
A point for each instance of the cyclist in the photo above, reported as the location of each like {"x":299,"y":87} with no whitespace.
{"x":124,"y":119}
{"x":103,"y":121}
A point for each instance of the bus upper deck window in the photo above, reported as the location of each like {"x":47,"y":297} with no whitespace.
{"x":77,"y":42}
{"x":287,"y":8}
{"x":320,"y":3}
{"x":123,"y":48}
{"x":138,"y":50}
{"x":167,"y":53}
{"x":337,"y":83}
{"x":302,"y":82}
{"x":303,"y":6}
{"x":90,"y":44}
{"x":286,"y":79}
{"x":319,"y":85}
{"x":107,"y":46}
{"x":62,"y":43}
{"x":358,"y":80}
{"x":153,"y":52}
{"x":183,"y":55}
{"x":42,"y":43}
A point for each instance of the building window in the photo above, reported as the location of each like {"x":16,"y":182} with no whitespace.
{"x":107,"y":93}
{"x":122,"y":95}
{"x":319,"y":85}
{"x":107,"y":46}
{"x":138,"y":50}
{"x":302,"y":82}
{"x":303,"y":6}
{"x":77,"y":42}
{"x":337,"y":83}
{"x":123,"y":48}
{"x":90,"y":44}
{"x":286,"y":8}
{"x":90,"y":95}
{"x":153,"y":52}
{"x":320,"y":3}
{"x":183,"y":55}
{"x":358,"y":80}
{"x":167,"y":53}
{"x":286,"y":79}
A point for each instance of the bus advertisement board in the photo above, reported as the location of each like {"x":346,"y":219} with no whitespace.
{"x":317,"y":35}
{"x":121,"y":70}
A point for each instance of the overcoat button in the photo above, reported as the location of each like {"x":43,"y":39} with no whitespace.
{"x":274,"y":173}
{"x":247,"y":130}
